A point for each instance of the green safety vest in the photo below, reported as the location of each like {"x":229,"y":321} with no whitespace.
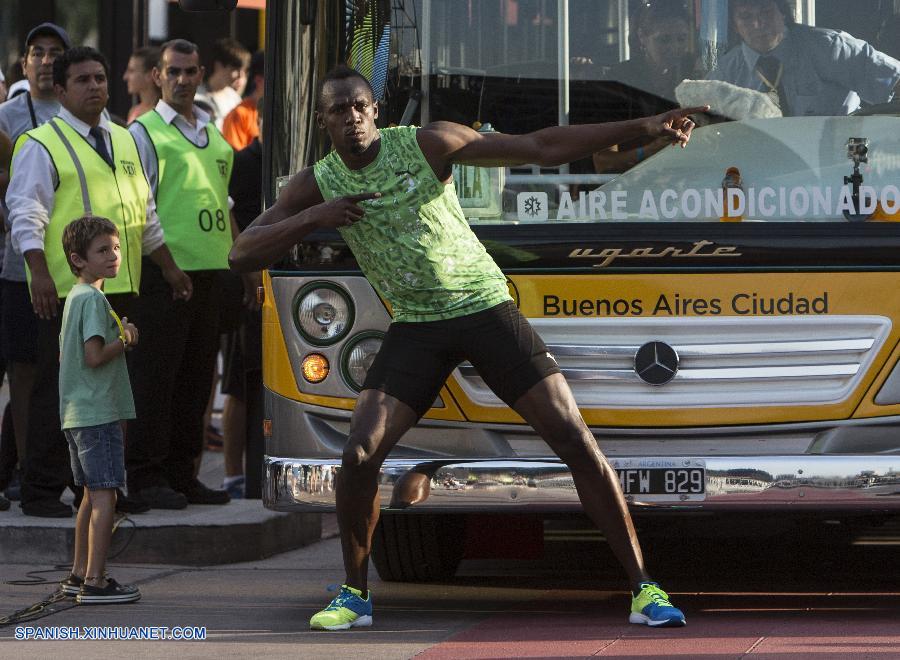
{"x":119,"y":194}
{"x":192,"y":194}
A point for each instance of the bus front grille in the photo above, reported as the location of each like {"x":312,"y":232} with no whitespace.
{"x":730,"y":361}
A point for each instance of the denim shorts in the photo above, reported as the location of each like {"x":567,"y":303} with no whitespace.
{"x":97,"y":454}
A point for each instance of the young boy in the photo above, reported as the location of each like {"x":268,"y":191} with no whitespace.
{"x":94,"y":396}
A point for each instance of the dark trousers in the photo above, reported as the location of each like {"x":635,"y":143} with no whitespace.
{"x":255,"y":447}
{"x":9,"y":455}
{"x":171,"y":373}
{"x":47,"y":467}
{"x":251,"y":346}
{"x":242,"y":378}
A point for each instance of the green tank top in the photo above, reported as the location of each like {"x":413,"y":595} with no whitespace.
{"x":192,"y":194}
{"x":414,"y":244}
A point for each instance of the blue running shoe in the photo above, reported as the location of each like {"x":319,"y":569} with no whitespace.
{"x":347,"y":610}
{"x":651,"y":607}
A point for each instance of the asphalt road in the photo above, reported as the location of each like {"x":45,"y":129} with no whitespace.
{"x":752,"y":588}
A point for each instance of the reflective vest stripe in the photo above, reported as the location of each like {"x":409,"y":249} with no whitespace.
{"x":120,"y":194}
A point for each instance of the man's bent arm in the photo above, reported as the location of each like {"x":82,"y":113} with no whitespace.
{"x":268,"y":238}
{"x":30,"y":199}
{"x":44,"y":295}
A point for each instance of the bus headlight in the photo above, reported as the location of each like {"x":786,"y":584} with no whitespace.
{"x":323,"y":313}
{"x":357,"y":357}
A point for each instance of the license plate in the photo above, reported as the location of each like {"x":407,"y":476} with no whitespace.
{"x":662,"y":479}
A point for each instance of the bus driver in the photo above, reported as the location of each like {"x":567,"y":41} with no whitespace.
{"x":808,"y":71}
{"x":386,"y":192}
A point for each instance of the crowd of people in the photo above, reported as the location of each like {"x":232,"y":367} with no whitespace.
{"x":175,"y":182}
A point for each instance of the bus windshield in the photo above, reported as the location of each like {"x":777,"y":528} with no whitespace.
{"x":803,"y":125}
{"x":802,"y":128}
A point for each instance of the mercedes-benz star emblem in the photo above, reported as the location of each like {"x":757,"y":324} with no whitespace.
{"x":656,"y":363}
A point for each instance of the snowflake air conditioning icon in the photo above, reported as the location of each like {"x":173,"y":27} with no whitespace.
{"x":532,"y":206}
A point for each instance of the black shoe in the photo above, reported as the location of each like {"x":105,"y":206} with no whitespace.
{"x":71,"y":586}
{"x":162,"y":497}
{"x":113,"y":593}
{"x":47,"y":509}
{"x":125,"y":504}
{"x":4,"y":503}
{"x":199,"y":493}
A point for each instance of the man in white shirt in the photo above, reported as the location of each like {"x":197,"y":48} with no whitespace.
{"x":188,"y":165}
{"x":807,"y":71}
{"x":76,"y":164}
{"x":35,"y":105}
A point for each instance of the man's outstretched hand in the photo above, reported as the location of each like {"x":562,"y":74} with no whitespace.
{"x":676,"y":125}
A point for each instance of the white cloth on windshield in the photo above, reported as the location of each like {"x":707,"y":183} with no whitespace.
{"x":727,"y":100}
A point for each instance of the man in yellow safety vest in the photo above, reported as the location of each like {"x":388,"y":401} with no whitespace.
{"x":188,"y":164}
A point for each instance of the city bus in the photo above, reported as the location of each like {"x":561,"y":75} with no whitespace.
{"x":724,"y":314}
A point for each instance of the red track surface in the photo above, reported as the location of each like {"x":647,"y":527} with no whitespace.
{"x":760,"y":587}
{"x":719,"y":626}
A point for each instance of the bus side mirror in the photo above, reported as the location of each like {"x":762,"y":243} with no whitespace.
{"x":207,"y":5}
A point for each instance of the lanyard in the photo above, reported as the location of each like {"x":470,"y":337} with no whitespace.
{"x":34,"y":121}
{"x":79,"y":169}
{"x":121,"y":327}
{"x":773,"y":86}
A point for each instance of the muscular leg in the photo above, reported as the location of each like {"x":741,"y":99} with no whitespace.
{"x":550,"y":409}
{"x":378,"y":422}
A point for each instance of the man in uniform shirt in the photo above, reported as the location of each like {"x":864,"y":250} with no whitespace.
{"x":22,"y":113}
{"x":76,"y":164}
{"x":806,"y":70}
{"x":188,"y":164}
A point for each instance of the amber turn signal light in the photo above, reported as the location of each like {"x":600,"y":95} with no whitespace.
{"x":315,"y":367}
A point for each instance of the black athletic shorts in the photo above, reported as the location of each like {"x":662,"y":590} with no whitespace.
{"x":416,"y":358}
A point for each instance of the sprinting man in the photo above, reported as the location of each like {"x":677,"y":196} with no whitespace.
{"x":94,"y":398}
{"x":386,"y":192}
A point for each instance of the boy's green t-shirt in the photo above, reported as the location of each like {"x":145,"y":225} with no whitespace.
{"x":90,"y":396}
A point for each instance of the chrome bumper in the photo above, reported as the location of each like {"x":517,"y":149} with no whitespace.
{"x":860,"y":484}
